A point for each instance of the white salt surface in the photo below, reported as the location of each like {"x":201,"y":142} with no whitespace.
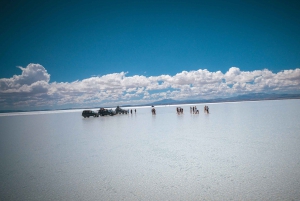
{"x":241,"y":151}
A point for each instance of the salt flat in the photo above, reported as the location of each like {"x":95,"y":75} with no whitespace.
{"x":240,"y":151}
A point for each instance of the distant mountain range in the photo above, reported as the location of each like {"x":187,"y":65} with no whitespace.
{"x":246,"y":97}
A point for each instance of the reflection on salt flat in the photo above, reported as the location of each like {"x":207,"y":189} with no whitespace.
{"x":241,"y":151}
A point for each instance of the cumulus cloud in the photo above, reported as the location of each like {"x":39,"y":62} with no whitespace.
{"x":33,"y":78}
{"x":33,"y":87}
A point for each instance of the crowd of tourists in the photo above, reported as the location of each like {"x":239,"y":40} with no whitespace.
{"x":179,"y":110}
{"x":194,"y":110}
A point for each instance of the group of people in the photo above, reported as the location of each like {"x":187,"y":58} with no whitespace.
{"x":179,"y":110}
{"x":206,"y":109}
{"x":131,"y":111}
{"x":194,"y":110}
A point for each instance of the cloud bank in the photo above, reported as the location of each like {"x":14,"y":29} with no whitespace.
{"x":33,"y":88}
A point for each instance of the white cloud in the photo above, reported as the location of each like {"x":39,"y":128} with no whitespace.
{"x":33,"y":77}
{"x":33,"y":87}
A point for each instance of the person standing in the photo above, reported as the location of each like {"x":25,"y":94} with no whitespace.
{"x":153,"y":111}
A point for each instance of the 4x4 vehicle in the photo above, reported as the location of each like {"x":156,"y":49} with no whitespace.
{"x":103,"y":112}
{"x":88,"y":113}
{"x":120,"y":110}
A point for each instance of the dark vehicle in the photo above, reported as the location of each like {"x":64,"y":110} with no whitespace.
{"x":104,"y":112}
{"x":120,"y":110}
{"x":88,"y":113}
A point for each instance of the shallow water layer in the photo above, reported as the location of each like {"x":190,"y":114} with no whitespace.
{"x":240,"y":151}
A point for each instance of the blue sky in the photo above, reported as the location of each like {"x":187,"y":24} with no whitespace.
{"x":73,"y":41}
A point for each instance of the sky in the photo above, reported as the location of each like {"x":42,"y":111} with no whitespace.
{"x":57,"y":54}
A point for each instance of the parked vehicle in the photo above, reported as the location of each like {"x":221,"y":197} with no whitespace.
{"x":120,"y":110}
{"x":89,"y":113}
{"x":104,"y":112}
